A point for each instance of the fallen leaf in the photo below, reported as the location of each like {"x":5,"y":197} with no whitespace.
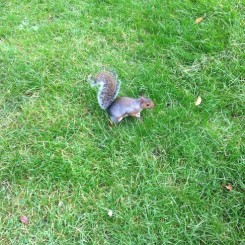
{"x":24,"y":219}
{"x":110,"y":213}
{"x":229,"y":187}
{"x":198,"y":101}
{"x":198,"y":20}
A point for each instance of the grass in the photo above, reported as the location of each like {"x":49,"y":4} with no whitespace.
{"x":164,"y":177}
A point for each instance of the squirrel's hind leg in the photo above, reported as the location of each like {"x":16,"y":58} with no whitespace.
{"x":116,"y":119}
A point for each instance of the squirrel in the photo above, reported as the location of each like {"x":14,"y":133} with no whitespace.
{"x":120,"y":107}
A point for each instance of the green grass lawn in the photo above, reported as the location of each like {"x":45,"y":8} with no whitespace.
{"x":64,"y":167}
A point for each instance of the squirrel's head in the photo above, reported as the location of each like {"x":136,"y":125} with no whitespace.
{"x":146,"y":102}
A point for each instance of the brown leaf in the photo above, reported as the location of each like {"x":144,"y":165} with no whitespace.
{"x":198,"y":20}
{"x":24,"y":219}
{"x":198,"y":101}
{"x":229,"y":187}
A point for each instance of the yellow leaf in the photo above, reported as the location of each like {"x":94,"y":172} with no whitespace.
{"x":198,"y":20}
{"x":198,"y":101}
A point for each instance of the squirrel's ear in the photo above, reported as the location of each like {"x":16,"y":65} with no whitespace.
{"x":142,"y":99}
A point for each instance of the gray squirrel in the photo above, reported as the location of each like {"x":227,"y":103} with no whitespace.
{"x":120,"y":107}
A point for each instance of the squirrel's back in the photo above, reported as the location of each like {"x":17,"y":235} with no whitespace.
{"x":109,"y":87}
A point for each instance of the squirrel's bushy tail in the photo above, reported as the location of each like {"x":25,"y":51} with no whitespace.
{"x":109,"y":87}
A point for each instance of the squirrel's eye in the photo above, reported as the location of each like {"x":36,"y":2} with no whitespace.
{"x":147,"y":104}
